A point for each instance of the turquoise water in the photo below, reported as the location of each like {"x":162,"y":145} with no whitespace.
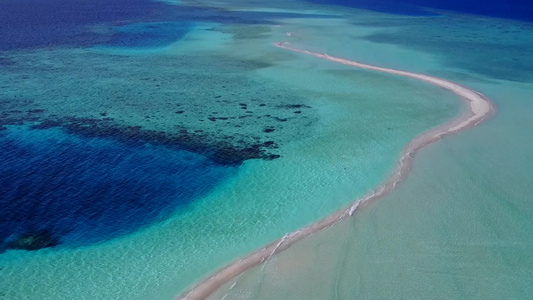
{"x":261,"y":141}
{"x":460,"y":226}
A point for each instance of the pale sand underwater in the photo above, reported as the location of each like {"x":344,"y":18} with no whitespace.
{"x":477,"y":109}
{"x":351,"y":136}
{"x":459,"y":226}
{"x":357,"y":126}
{"x":449,"y":231}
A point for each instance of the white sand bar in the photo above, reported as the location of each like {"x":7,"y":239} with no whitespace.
{"x":477,"y":109}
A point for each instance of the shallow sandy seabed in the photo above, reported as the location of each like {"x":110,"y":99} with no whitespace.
{"x":458,"y":227}
{"x":455,"y":228}
{"x":477,"y":109}
{"x":361,"y":121}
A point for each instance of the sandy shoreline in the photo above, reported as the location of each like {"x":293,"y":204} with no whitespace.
{"x":477,"y":108}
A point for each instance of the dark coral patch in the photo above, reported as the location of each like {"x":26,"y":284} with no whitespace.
{"x":34,"y":241}
{"x":292,"y":106}
{"x":224,"y":152}
{"x":229,"y":155}
{"x":47,"y":124}
{"x":272,"y":157}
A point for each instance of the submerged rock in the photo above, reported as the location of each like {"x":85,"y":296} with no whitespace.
{"x":34,"y":241}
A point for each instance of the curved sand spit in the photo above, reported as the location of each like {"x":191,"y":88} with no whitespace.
{"x":477,"y":109}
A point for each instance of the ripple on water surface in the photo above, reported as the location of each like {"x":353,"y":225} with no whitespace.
{"x":64,"y":189}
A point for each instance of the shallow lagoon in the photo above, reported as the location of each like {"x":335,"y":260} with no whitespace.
{"x":349,"y":128}
{"x":460,"y":226}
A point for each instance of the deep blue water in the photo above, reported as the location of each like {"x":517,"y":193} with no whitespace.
{"x":87,"y":190}
{"x":30,"y":24}
{"x":392,"y":7}
{"x":69,"y":23}
{"x":510,"y":9}
{"x":145,"y":35}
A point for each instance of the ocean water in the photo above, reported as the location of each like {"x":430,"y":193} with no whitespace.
{"x":205,"y":79}
{"x":83,"y":191}
{"x":221,"y":88}
{"x":30,"y":24}
{"x":146,"y":35}
{"x":513,"y":9}
{"x":391,"y":7}
{"x":34,"y":24}
{"x":460,"y":226}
